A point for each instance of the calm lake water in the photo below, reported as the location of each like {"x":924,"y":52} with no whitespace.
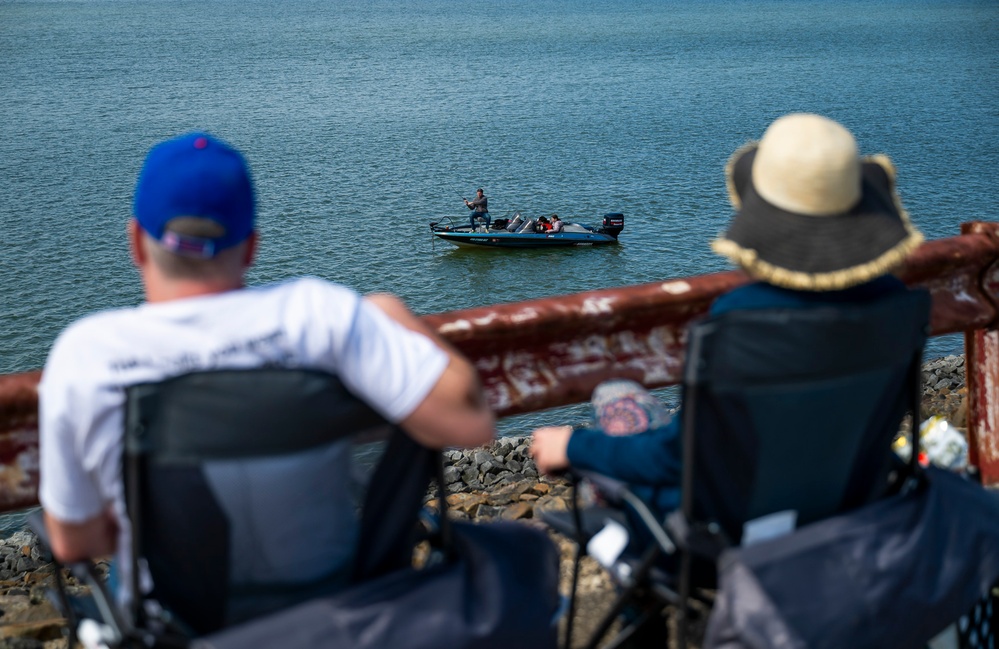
{"x":364,"y":120}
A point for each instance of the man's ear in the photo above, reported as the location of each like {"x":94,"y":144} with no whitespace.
{"x":251,"y":249}
{"x":136,"y":243}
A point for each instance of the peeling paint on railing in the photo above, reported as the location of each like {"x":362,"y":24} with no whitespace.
{"x":982,"y":369}
{"x":550,"y":352}
{"x":18,"y":440}
{"x":952,"y":269}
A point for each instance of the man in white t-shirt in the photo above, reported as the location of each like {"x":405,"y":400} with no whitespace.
{"x":193,"y":239}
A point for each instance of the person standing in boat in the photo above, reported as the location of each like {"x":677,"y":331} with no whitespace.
{"x":480,"y":208}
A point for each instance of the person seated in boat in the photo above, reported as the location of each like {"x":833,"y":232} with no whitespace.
{"x":543,"y":225}
{"x":480,"y":209}
{"x":193,"y":239}
{"x":805,"y":170}
{"x":556,"y":223}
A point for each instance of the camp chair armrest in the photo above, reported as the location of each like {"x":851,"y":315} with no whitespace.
{"x":619,"y":494}
{"x":610,"y":488}
{"x":707,"y":541}
{"x":652,"y":524}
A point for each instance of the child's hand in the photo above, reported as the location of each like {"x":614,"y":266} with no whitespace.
{"x":548,"y":448}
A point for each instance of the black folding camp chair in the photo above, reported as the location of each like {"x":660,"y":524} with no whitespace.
{"x":193,"y":442}
{"x":785,"y":412}
{"x":264,"y":422}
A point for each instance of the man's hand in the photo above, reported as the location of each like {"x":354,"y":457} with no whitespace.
{"x":548,"y":448}
{"x":94,"y":537}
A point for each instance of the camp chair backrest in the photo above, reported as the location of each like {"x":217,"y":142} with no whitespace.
{"x":796,"y":409}
{"x":227,"y":470}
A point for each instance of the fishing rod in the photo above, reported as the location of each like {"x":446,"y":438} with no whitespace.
{"x":455,"y":191}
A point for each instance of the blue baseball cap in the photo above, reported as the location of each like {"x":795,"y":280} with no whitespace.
{"x":200,"y":176}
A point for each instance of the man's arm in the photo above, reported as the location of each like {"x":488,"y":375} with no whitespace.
{"x":455,"y":412}
{"x":79,"y":521}
{"x":94,"y":537}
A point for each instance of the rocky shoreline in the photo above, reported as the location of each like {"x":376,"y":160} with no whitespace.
{"x":496,"y":482}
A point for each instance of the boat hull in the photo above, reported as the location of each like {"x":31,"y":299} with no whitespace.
{"x":572,"y":234}
{"x":523,"y":240}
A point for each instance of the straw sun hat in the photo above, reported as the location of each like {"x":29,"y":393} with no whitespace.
{"x":811,"y":214}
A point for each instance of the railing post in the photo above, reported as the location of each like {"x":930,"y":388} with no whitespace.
{"x":981,"y":347}
{"x":18,"y":440}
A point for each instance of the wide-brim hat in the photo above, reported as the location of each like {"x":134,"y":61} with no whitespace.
{"x":811,"y":213}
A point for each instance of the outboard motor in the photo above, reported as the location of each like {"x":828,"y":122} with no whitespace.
{"x":612,"y":225}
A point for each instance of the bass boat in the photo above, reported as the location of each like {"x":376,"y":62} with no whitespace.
{"x":520,"y":233}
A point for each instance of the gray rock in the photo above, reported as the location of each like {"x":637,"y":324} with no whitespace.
{"x":488,"y":511}
{"x":505,"y":446}
{"x":451,"y":475}
{"x":480,"y":457}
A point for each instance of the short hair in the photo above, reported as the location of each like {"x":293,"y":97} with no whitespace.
{"x":176,"y":266}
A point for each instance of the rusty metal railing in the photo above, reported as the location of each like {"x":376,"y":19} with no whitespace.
{"x":553,"y":351}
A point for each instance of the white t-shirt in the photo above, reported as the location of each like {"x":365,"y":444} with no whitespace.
{"x":305,"y":323}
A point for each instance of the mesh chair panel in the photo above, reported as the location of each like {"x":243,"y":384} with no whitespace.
{"x":248,"y":490}
{"x":188,"y":544}
{"x":281,"y":543}
{"x":796,"y":408}
{"x":815,"y":457}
